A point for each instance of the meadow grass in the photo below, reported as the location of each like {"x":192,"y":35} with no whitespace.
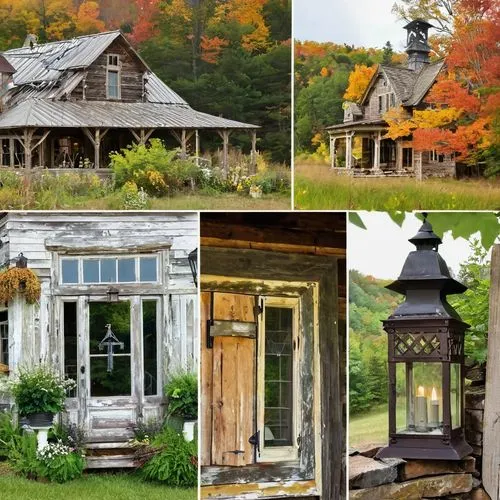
{"x":93,"y":486}
{"x":317,"y":188}
{"x":369,"y":428}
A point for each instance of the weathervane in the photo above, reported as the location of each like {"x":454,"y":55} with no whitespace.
{"x":109,"y":341}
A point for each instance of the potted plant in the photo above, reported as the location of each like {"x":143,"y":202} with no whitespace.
{"x":40,"y":393}
{"x":182,"y":394}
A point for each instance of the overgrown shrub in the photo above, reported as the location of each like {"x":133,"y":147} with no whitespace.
{"x":23,"y":456}
{"x":182,"y":394}
{"x":175,"y":464}
{"x":154,"y":168}
{"x":60,"y":463}
{"x":133,"y":198}
{"x":145,"y":432}
{"x":70,"y":435}
{"x":10,"y":433}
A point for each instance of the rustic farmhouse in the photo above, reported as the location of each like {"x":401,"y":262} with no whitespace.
{"x":70,"y":103}
{"x":99,"y":272}
{"x":364,"y":127}
{"x":272,"y":355}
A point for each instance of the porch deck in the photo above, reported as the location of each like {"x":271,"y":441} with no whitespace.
{"x":372,"y":174}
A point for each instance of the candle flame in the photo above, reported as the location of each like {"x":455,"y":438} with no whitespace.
{"x":420,"y":391}
{"x":434,"y":396}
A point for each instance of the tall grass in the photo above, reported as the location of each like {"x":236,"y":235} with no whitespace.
{"x":318,"y":188}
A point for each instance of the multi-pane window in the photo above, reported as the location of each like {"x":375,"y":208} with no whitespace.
{"x":278,"y":380}
{"x":113,"y":77}
{"x":4,"y":338}
{"x":103,"y":270}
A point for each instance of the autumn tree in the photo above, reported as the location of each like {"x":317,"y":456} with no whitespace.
{"x":87,"y":18}
{"x":358,"y":82}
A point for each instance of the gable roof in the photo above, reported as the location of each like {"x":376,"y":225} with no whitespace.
{"x":46,"y":74}
{"x":409,"y":86}
{"x":5,"y":66}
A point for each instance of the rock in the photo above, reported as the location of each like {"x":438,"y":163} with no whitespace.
{"x":476,"y":373}
{"x":366,"y":472}
{"x":479,"y":494}
{"x":436,"y":486}
{"x":370,"y":450}
{"x":474,"y":437}
{"x":474,"y":398}
{"x":420,"y":468}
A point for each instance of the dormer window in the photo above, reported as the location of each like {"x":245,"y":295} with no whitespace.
{"x":113,"y":77}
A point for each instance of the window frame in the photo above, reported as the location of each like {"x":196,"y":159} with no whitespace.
{"x":279,"y":453}
{"x":114,"y":68}
{"x":137,"y":269}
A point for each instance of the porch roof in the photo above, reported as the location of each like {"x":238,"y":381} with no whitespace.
{"x":358,"y":125}
{"x":44,"y":113}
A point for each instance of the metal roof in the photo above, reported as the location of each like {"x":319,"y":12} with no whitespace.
{"x":47,"y":74}
{"x":109,"y":114}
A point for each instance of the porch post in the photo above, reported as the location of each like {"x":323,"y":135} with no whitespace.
{"x":348,"y":149}
{"x":27,"y":139}
{"x":197,"y":146}
{"x":333,"y":158}
{"x":417,"y":163}
{"x":183,"y":144}
{"x":97,"y":148}
{"x":253,"y":153}
{"x":399,"y":155}
{"x":376,"y":160}
{"x":225,"y":149}
{"x":12,"y":152}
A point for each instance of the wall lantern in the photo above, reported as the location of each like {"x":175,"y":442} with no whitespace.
{"x":193,"y":264}
{"x":22,"y":261}
{"x":426,"y":359}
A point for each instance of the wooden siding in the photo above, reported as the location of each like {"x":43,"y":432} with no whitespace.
{"x":371,"y":109}
{"x":491,"y":437}
{"x":132,"y":71}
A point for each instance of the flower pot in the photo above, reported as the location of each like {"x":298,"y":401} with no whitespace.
{"x":188,"y":430}
{"x":36,"y":420}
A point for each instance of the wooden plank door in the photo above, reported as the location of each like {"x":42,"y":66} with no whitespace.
{"x":491,"y":429}
{"x":233,"y":381}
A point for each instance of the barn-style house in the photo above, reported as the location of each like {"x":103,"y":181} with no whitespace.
{"x":272,"y":356}
{"x":70,"y":103}
{"x":128,"y":273}
{"x":358,"y":146}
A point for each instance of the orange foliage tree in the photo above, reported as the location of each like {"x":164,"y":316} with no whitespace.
{"x":358,"y":81}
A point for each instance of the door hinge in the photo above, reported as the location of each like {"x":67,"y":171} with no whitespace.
{"x":236,"y":452}
{"x":259,"y":307}
{"x":254,"y":440}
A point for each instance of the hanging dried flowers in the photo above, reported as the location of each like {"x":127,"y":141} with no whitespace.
{"x":19,"y":280}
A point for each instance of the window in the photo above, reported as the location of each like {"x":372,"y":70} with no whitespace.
{"x":380,"y":104}
{"x":278,"y":382}
{"x":70,"y":344}
{"x":4,"y":338}
{"x":393,"y":100}
{"x":113,"y":77}
{"x":407,"y":157}
{"x":105,"y":270}
{"x":150,"y":346}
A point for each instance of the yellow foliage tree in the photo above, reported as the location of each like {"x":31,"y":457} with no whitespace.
{"x":358,"y":81}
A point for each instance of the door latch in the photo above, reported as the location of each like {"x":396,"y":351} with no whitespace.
{"x":254,"y":440}
{"x":82,"y":369}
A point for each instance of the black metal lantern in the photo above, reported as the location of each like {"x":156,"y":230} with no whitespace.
{"x":193,"y":264}
{"x":426,"y":359}
{"x":22,"y":261}
{"x":112,"y":294}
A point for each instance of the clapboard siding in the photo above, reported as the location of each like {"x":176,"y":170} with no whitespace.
{"x":381,"y":87}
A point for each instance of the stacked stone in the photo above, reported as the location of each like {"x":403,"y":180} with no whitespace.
{"x":384,"y":479}
{"x":474,"y":410}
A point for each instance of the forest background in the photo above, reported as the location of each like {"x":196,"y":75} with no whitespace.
{"x":224,"y":57}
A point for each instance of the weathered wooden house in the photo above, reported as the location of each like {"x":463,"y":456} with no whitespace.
{"x":364,"y":127}
{"x":129,"y":271}
{"x":70,"y":103}
{"x":272,"y":355}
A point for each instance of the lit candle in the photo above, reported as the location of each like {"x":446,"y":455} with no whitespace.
{"x":434,"y":416}
{"x":421,"y":410}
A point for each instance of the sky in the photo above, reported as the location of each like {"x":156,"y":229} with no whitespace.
{"x":382,"y":248}
{"x":367,"y":23}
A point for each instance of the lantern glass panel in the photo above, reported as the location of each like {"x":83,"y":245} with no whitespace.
{"x":419,"y":398}
{"x":455,"y":395}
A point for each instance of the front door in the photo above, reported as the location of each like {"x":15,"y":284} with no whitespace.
{"x":112,"y":357}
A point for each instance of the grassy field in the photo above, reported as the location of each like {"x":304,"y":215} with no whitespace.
{"x":369,"y":428}
{"x":317,"y":188}
{"x":95,"y":486}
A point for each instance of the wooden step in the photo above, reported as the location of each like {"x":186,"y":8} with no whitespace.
{"x":110,"y":462}
{"x":103,"y":444}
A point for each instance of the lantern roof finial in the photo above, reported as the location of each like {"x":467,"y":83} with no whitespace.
{"x":426,"y":239}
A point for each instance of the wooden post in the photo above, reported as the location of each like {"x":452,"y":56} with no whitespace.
{"x":27,"y":139}
{"x":348,"y":149}
{"x":399,"y":155}
{"x":225,"y":150}
{"x":197,"y":147}
{"x":183,"y":144}
{"x":333,"y":156}
{"x":491,"y":424}
{"x":417,"y":163}
{"x":97,"y":148}
{"x":12,"y":152}
{"x":253,"y":153}
{"x":376,"y":160}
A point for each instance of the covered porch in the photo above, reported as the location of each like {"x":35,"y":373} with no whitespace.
{"x":362,"y":150}
{"x":69,"y":135}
